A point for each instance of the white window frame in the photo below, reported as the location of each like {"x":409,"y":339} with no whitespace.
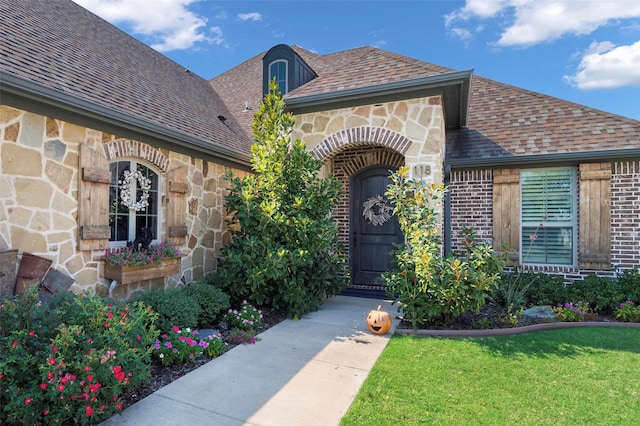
{"x":572,"y":222}
{"x":134,"y":163}
{"x":286,"y":74}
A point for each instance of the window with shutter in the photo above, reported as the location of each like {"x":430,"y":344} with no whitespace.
{"x":125,"y":223}
{"x":548,"y":216}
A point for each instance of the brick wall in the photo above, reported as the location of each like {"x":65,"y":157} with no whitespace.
{"x":471,"y":195}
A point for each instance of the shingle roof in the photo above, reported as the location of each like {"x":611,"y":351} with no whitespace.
{"x":60,"y":45}
{"x":503,"y":121}
{"x":506,"y":121}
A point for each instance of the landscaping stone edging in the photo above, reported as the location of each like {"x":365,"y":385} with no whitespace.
{"x":511,"y":331}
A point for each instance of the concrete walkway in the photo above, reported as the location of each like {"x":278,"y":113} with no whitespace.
{"x":304,"y":372}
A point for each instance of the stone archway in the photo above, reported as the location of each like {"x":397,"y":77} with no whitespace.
{"x":359,"y":136}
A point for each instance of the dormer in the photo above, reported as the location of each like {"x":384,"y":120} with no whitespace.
{"x":287,"y":67}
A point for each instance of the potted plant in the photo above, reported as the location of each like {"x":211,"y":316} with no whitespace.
{"x":127,"y":265}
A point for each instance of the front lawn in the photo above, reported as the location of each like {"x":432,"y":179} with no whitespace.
{"x":560,"y":377}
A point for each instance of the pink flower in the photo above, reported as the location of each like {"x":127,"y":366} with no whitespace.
{"x":28,"y":401}
{"x":89,"y":410}
{"x":175,"y":329}
{"x":43,"y":386}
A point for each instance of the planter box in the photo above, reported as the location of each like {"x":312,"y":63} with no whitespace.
{"x":126,"y":274}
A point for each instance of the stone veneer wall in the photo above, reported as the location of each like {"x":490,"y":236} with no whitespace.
{"x":414,"y":128}
{"x":471,"y":194}
{"x":39,"y":189}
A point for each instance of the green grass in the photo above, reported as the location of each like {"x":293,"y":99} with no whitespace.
{"x":579,"y":376}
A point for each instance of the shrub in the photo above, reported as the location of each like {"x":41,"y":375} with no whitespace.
{"x":426,"y":284}
{"x":181,"y":346}
{"x":74,"y":371}
{"x":245,"y":318}
{"x":628,"y":312}
{"x":544,"y":289}
{"x":238,"y":336}
{"x":285,"y":252}
{"x":603,"y":294}
{"x":212,"y":300}
{"x":510,"y":294}
{"x":174,"y":307}
{"x":571,"y":312}
{"x":629,"y":282}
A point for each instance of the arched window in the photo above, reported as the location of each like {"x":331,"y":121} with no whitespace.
{"x":278,"y":69}
{"x":125,"y":223}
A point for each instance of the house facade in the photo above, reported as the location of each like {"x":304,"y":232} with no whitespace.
{"x":554,"y":183}
{"x":79,"y":113}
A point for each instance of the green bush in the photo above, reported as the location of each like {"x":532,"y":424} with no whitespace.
{"x":603,"y":294}
{"x":544,"y":289}
{"x":630,"y":285}
{"x":212,"y":300}
{"x":284,"y":253}
{"x":510,"y":294}
{"x":174,"y":307}
{"x":78,"y":365}
{"x":427,"y":285}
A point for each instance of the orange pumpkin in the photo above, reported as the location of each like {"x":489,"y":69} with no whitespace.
{"x":379,"y":321}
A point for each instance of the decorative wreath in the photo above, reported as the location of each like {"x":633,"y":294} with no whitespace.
{"x":383,"y":213}
{"x":127,"y":184}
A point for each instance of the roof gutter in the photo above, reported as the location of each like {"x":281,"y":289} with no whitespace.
{"x":25,"y":94}
{"x":560,"y":159}
{"x":435,"y":82}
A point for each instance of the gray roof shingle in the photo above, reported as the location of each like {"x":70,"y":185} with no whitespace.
{"x":60,"y":45}
{"x":503,"y":121}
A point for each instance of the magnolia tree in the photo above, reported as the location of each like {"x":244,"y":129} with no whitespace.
{"x":427,"y":284}
{"x":284,"y":253}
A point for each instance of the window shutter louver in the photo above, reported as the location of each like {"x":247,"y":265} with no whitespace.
{"x":506,"y":212}
{"x":595,"y":216}
{"x":93,"y":200}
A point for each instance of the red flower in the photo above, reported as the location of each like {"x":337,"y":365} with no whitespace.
{"x":1,"y":376}
{"x":54,"y":349}
{"x":45,"y":412}
{"x":14,"y":343}
{"x":110,"y":315}
{"x":118,"y":373}
{"x":51,"y":361}
{"x":43,"y":386}
{"x":106,"y":325}
{"x":89,"y":340}
{"x":87,"y":368}
{"x":32,"y":333}
{"x":28,"y":401}
{"x":90,"y":377}
{"x":89,"y":410}
{"x":94,"y":388}
{"x":139,"y":337}
{"x":60,"y":388}
{"x":49,"y":375}
{"x":119,"y":406}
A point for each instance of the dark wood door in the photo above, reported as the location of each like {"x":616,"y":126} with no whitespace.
{"x":371,"y":246}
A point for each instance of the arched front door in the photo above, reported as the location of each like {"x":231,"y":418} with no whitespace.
{"x":371,"y":245}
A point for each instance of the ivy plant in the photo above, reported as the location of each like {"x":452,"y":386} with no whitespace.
{"x":428,"y":284}
{"x":284,"y":253}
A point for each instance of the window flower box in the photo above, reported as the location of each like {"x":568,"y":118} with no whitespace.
{"x":127,"y":265}
{"x":126,"y":274}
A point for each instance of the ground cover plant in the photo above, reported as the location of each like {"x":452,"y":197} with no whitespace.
{"x":568,"y":376}
{"x":285,"y":252}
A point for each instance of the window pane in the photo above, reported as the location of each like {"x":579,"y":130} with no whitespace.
{"x":278,"y":70}
{"x":548,"y":214}
{"x":127,"y":224}
{"x":547,"y":245}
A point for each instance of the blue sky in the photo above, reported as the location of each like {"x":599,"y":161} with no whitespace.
{"x":584,"y":51}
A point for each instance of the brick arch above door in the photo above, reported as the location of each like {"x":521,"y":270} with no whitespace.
{"x":358,"y":136}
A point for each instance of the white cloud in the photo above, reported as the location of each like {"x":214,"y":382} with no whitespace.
{"x":253,"y":16}
{"x":168,"y":23}
{"x":606,"y":66}
{"x":531,"y":22}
